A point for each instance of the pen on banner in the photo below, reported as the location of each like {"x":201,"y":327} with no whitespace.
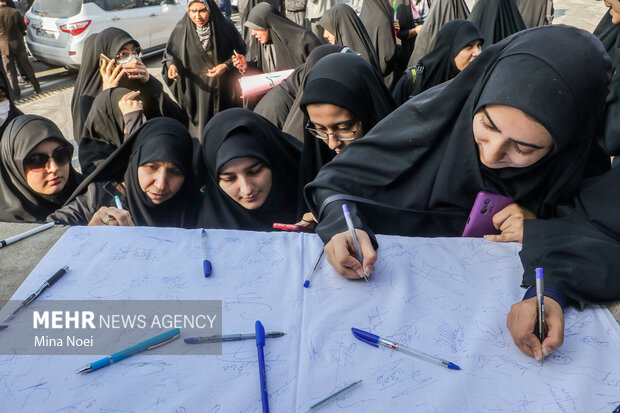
{"x":540,"y":306}
{"x":149,"y":344}
{"x":206,"y":264}
{"x":260,"y":346}
{"x":314,"y":267}
{"x":23,"y":235}
{"x":230,"y":337}
{"x":337,"y":394}
{"x":47,"y":284}
{"x":119,"y":204}
{"x":375,"y":341}
{"x":358,"y":252}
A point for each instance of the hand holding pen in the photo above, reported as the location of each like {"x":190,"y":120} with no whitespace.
{"x":522,"y":321}
{"x":239,"y":62}
{"x":343,"y":255}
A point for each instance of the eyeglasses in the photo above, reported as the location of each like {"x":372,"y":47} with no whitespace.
{"x":341,"y":135}
{"x":37,"y":162}
{"x":125,"y":56}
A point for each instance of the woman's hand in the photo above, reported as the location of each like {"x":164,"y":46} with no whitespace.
{"x":510,"y":222}
{"x":129,"y":103}
{"x":340,"y":252}
{"x":218,"y":70}
{"x":173,"y":72}
{"x":111,"y":74}
{"x":111,"y":216}
{"x":307,"y":221}
{"x":135,"y":69}
{"x":396,"y":25}
{"x":522,"y":319}
{"x":239,"y":62}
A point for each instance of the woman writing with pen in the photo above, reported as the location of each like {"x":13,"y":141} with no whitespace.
{"x":419,"y":170}
{"x":156,"y":188}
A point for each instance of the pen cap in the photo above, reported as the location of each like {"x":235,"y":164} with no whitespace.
{"x":539,"y":272}
{"x":366,"y":337}
{"x":260,"y":333}
{"x":345,"y":209}
{"x":207,"y":268}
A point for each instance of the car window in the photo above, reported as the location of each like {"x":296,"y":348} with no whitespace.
{"x":113,"y":5}
{"x":57,"y":8}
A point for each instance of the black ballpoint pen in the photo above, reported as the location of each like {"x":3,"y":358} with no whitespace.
{"x":47,"y":284}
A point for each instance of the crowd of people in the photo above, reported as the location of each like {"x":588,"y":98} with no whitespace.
{"x":404,"y":115}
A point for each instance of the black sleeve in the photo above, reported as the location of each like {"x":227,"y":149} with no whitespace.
{"x":82,"y":208}
{"x":332,"y":222}
{"x":579,"y":260}
{"x":93,"y":152}
{"x":403,"y":20}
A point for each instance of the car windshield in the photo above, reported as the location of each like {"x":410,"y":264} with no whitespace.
{"x":57,"y":8}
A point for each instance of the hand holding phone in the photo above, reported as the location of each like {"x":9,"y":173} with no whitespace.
{"x":480,"y":221}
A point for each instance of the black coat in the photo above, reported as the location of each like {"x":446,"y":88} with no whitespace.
{"x":19,"y":202}
{"x":200,"y":96}
{"x":580,"y":251}
{"x":422,"y":161}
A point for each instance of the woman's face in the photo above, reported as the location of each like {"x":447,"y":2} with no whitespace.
{"x":127,"y":53}
{"x":334,"y":122}
{"x":468,"y":53}
{"x":261,"y":35}
{"x":508,"y":138}
{"x":330,"y":37}
{"x":198,"y":13}
{"x":614,"y":10}
{"x":247,"y":181}
{"x":47,"y":167}
{"x":160,"y":180}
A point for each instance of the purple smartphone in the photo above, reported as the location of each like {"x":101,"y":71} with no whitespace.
{"x":480,"y":221}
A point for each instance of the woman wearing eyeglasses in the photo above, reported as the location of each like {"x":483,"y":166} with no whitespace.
{"x":36,"y":176}
{"x":343,"y":98}
{"x":252,"y":172}
{"x":155,"y":188}
{"x":112,"y":58}
{"x":504,"y":125}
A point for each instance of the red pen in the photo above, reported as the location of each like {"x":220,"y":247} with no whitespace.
{"x":291,"y":227}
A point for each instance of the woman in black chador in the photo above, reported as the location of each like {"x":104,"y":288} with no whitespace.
{"x":125,"y":69}
{"x":279,"y":43}
{"x":458,"y":43}
{"x":198,"y":67}
{"x":343,"y":26}
{"x":36,"y":176}
{"x":252,"y":168}
{"x":518,"y":121}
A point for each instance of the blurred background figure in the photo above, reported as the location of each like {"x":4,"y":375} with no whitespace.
{"x":13,"y":49}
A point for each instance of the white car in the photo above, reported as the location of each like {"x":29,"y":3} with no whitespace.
{"x":57,"y":29}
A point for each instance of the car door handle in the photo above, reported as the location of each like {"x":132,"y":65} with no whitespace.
{"x":153,"y":15}
{"x":115,"y":19}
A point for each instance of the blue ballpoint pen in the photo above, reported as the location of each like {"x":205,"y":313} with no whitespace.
{"x":540,"y":304}
{"x":149,"y":344}
{"x":375,"y":340}
{"x":206,"y":264}
{"x":358,"y":251}
{"x":117,"y":200}
{"x":316,"y":265}
{"x":260,"y":345}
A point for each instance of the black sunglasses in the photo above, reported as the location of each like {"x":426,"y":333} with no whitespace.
{"x":38,"y":161}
